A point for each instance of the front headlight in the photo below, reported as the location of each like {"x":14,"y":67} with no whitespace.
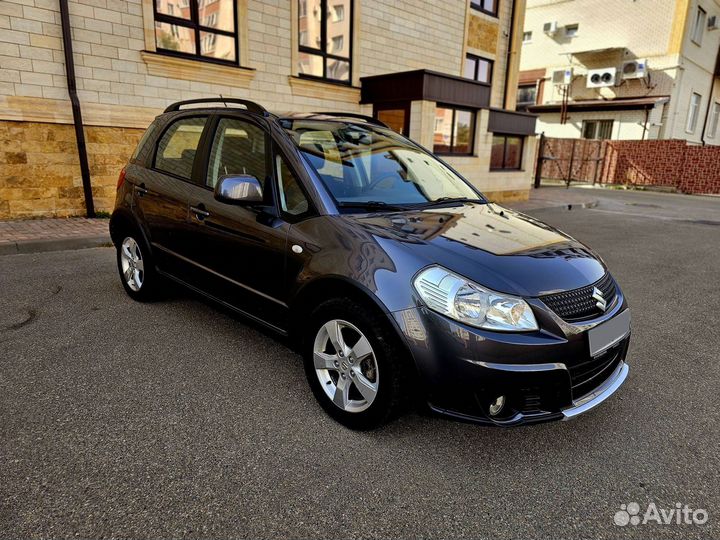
{"x":468,"y":302}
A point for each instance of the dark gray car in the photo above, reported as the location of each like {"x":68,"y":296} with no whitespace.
{"x":394,"y":277}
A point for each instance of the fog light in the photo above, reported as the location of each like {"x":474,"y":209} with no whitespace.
{"x":497,"y":406}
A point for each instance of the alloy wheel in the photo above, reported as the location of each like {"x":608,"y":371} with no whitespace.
{"x":131,"y":262}
{"x":346,"y":365}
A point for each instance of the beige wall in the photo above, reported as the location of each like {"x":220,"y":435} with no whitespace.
{"x":658,"y":30}
{"x":123,"y":83}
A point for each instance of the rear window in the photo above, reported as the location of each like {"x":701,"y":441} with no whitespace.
{"x":178,"y":146}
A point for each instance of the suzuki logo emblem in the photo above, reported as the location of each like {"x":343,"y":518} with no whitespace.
{"x":601,"y":302}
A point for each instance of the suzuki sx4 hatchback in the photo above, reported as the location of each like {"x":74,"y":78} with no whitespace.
{"x":391,"y":273}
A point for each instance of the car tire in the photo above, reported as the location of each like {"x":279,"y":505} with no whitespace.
{"x":137,"y":267}
{"x":371,"y":373}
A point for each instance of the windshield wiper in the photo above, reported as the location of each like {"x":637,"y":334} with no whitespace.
{"x":445,"y":200}
{"x":373,"y":205}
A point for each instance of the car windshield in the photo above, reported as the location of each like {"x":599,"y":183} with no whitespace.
{"x":363,"y":164}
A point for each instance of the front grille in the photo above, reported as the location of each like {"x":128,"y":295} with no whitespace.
{"x":589,"y":375}
{"x":579,"y":304}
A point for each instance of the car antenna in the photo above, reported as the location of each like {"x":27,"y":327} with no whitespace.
{"x":223,"y":100}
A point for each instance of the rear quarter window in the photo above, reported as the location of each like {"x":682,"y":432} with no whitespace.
{"x":177,"y":147}
{"x":142,"y":145}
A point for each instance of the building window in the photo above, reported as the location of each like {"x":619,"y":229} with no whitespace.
{"x":699,"y":26}
{"x":527,"y":37}
{"x":571,"y":30}
{"x":454,"y":131}
{"x":478,"y":68}
{"x":526,"y":96}
{"x":714,"y":118}
{"x":486,"y":6}
{"x":197,"y":28}
{"x":597,"y":129}
{"x":692,"y":118}
{"x":324,"y":35}
{"x":506,"y":153}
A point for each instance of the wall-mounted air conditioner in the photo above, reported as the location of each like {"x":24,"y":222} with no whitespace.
{"x":635,"y":69}
{"x":550,"y":28}
{"x":712,"y":22}
{"x":562,"y":76}
{"x":599,"y":78}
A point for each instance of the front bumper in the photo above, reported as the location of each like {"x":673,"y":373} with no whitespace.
{"x":544,"y":375}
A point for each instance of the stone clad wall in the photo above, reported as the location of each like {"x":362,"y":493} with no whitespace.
{"x":41,"y":172}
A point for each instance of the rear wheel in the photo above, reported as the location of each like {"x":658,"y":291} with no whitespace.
{"x":355,"y":365}
{"x":136,"y":267}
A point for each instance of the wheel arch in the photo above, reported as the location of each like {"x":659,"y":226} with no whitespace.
{"x":124,"y":220}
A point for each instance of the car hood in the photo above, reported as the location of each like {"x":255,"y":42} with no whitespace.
{"x":496,"y":247}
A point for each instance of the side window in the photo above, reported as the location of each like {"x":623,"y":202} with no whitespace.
{"x":292,"y":198}
{"x":178,"y":146}
{"x":238,"y":148}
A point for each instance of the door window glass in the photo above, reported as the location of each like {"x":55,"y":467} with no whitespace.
{"x":292,"y":198}
{"x":178,"y":146}
{"x":238,"y":148}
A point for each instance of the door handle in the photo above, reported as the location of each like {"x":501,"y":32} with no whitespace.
{"x":141,"y":190}
{"x":200,"y":212}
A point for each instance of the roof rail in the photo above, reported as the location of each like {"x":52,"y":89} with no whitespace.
{"x":368,"y":119}
{"x":249,"y":105}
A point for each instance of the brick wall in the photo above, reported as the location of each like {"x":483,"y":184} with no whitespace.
{"x":672,"y":163}
{"x":41,"y":172}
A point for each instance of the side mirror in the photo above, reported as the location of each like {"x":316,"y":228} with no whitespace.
{"x":239,"y":189}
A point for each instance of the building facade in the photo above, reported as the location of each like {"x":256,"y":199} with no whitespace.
{"x":620,"y":69}
{"x":444,"y":73}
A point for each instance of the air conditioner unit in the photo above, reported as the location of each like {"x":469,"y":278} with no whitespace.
{"x":634,"y":69}
{"x":550,"y":28}
{"x":562,"y":76}
{"x":599,"y":78}
{"x":712,"y":22}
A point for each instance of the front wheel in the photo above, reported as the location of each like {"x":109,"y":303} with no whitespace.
{"x":355,"y":365}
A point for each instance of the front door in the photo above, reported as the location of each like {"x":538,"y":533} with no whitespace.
{"x":239,"y":251}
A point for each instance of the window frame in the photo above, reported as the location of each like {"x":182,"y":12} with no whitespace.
{"x":699,"y":27}
{"x":532,"y":86}
{"x":199,"y":152}
{"x":478,"y":5}
{"x":194,"y":24}
{"x":471,"y":144}
{"x":505,"y":137}
{"x":491,"y":67}
{"x":395,"y":106}
{"x":575,"y":28}
{"x":693,"y":113}
{"x":528,"y":33}
{"x":322,"y":51}
{"x":714,"y":120}
{"x":596,"y":130}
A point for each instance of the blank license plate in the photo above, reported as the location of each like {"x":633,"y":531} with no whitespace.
{"x":607,"y":334}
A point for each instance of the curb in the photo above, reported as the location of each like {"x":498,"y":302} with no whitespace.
{"x":569,"y":206}
{"x":54,"y":244}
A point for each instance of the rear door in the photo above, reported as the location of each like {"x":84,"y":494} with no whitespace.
{"x":239,"y":251}
{"x":162,"y":189}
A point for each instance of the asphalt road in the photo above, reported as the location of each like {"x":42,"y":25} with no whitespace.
{"x":176,"y":419}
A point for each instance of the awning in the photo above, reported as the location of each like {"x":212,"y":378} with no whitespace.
{"x":623,"y":104}
{"x":426,"y":85}
{"x":511,"y":122}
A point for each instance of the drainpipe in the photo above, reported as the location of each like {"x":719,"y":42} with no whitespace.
{"x":509,"y":53}
{"x":77,"y":114}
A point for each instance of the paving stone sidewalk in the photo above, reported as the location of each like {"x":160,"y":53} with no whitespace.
{"x":33,"y":235}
